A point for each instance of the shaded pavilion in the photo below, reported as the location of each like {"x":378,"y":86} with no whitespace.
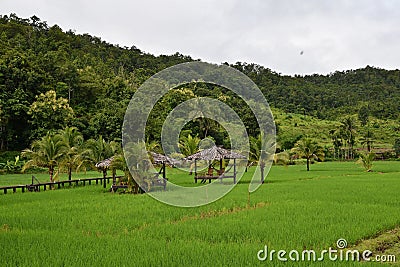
{"x":103,"y":166}
{"x":158,"y":159}
{"x":163,"y":160}
{"x":211,"y":154}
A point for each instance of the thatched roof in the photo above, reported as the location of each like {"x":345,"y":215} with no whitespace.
{"x":215,"y":153}
{"x":160,"y":159}
{"x":104,"y":164}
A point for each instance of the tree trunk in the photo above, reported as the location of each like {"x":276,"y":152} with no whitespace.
{"x":262,"y":166}
{"x":51,"y":170}
{"x":308,"y":164}
{"x":69,"y":173}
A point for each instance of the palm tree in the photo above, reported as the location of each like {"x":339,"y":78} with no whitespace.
{"x":336,"y":141}
{"x":189,"y":145}
{"x":95,"y":151}
{"x":135,"y":164}
{"x":119,"y":163}
{"x":73,"y":140}
{"x":367,"y":140}
{"x":258,"y":152}
{"x":348,"y":131}
{"x":308,"y":149}
{"x":153,"y":146}
{"x":366,"y":160}
{"x":46,"y":152}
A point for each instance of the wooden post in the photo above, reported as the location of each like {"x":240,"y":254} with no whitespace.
{"x":163,"y":171}
{"x":195,"y":170}
{"x":234,"y":171}
{"x":104,"y":174}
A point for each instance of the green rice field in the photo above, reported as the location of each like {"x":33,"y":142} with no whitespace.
{"x":294,"y":210}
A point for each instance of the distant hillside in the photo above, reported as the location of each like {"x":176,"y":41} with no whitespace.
{"x":98,"y":79}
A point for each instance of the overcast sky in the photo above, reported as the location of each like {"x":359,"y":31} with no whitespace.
{"x":333,"y":35}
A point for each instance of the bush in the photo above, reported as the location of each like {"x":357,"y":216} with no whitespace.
{"x":9,"y":155}
{"x":11,"y":165}
{"x":396,"y":147}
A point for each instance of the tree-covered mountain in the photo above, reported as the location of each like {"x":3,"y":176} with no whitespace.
{"x":50,"y":78}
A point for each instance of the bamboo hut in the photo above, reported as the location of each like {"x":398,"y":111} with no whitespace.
{"x":211,"y":154}
{"x":103,"y":166}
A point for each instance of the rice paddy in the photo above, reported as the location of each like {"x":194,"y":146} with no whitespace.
{"x":294,"y":210}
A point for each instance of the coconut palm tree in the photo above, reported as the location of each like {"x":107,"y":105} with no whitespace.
{"x":348,"y":130}
{"x":336,"y":141}
{"x":258,"y":152}
{"x":366,"y":160}
{"x":47,"y":152}
{"x":189,"y":145}
{"x":96,"y":150}
{"x":135,"y":163}
{"x":119,"y":163}
{"x":308,"y":149}
{"x":153,"y":146}
{"x":367,"y":140}
{"x":73,"y":140}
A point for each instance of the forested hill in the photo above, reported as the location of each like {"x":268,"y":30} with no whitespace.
{"x":98,"y":79}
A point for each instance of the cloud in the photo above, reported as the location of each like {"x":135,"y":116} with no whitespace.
{"x":334,"y":35}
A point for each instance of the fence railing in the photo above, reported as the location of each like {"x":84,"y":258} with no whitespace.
{"x":56,"y":184}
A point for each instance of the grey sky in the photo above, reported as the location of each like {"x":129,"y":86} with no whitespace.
{"x":334,"y":35}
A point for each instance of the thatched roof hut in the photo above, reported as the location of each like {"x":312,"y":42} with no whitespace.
{"x":104,"y":164}
{"x":162,"y":159}
{"x":158,"y":159}
{"x":215,"y":153}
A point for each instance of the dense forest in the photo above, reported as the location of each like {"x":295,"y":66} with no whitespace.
{"x":50,"y":78}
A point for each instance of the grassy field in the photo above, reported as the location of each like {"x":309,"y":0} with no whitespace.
{"x":87,"y":226}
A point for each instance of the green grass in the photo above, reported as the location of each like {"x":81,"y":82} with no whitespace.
{"x":295,"y":209}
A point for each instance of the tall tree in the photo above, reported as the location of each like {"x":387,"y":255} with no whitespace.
{"x":95,"y":151}
{"x":49,"y":113}
{"x":348,"y":130}
{"x":258,"y":152}
{"x":134,"y":162}
{"x":367,"y":139}
{"x":363,"y":115}
{"x":396,"y":147}
{"x":46,"y":152}
{"x":309,"y":149}
{"x":336,"y":141}
{"x":73,"y":141}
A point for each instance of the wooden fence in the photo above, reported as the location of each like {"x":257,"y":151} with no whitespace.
{"x":57,"y":184}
